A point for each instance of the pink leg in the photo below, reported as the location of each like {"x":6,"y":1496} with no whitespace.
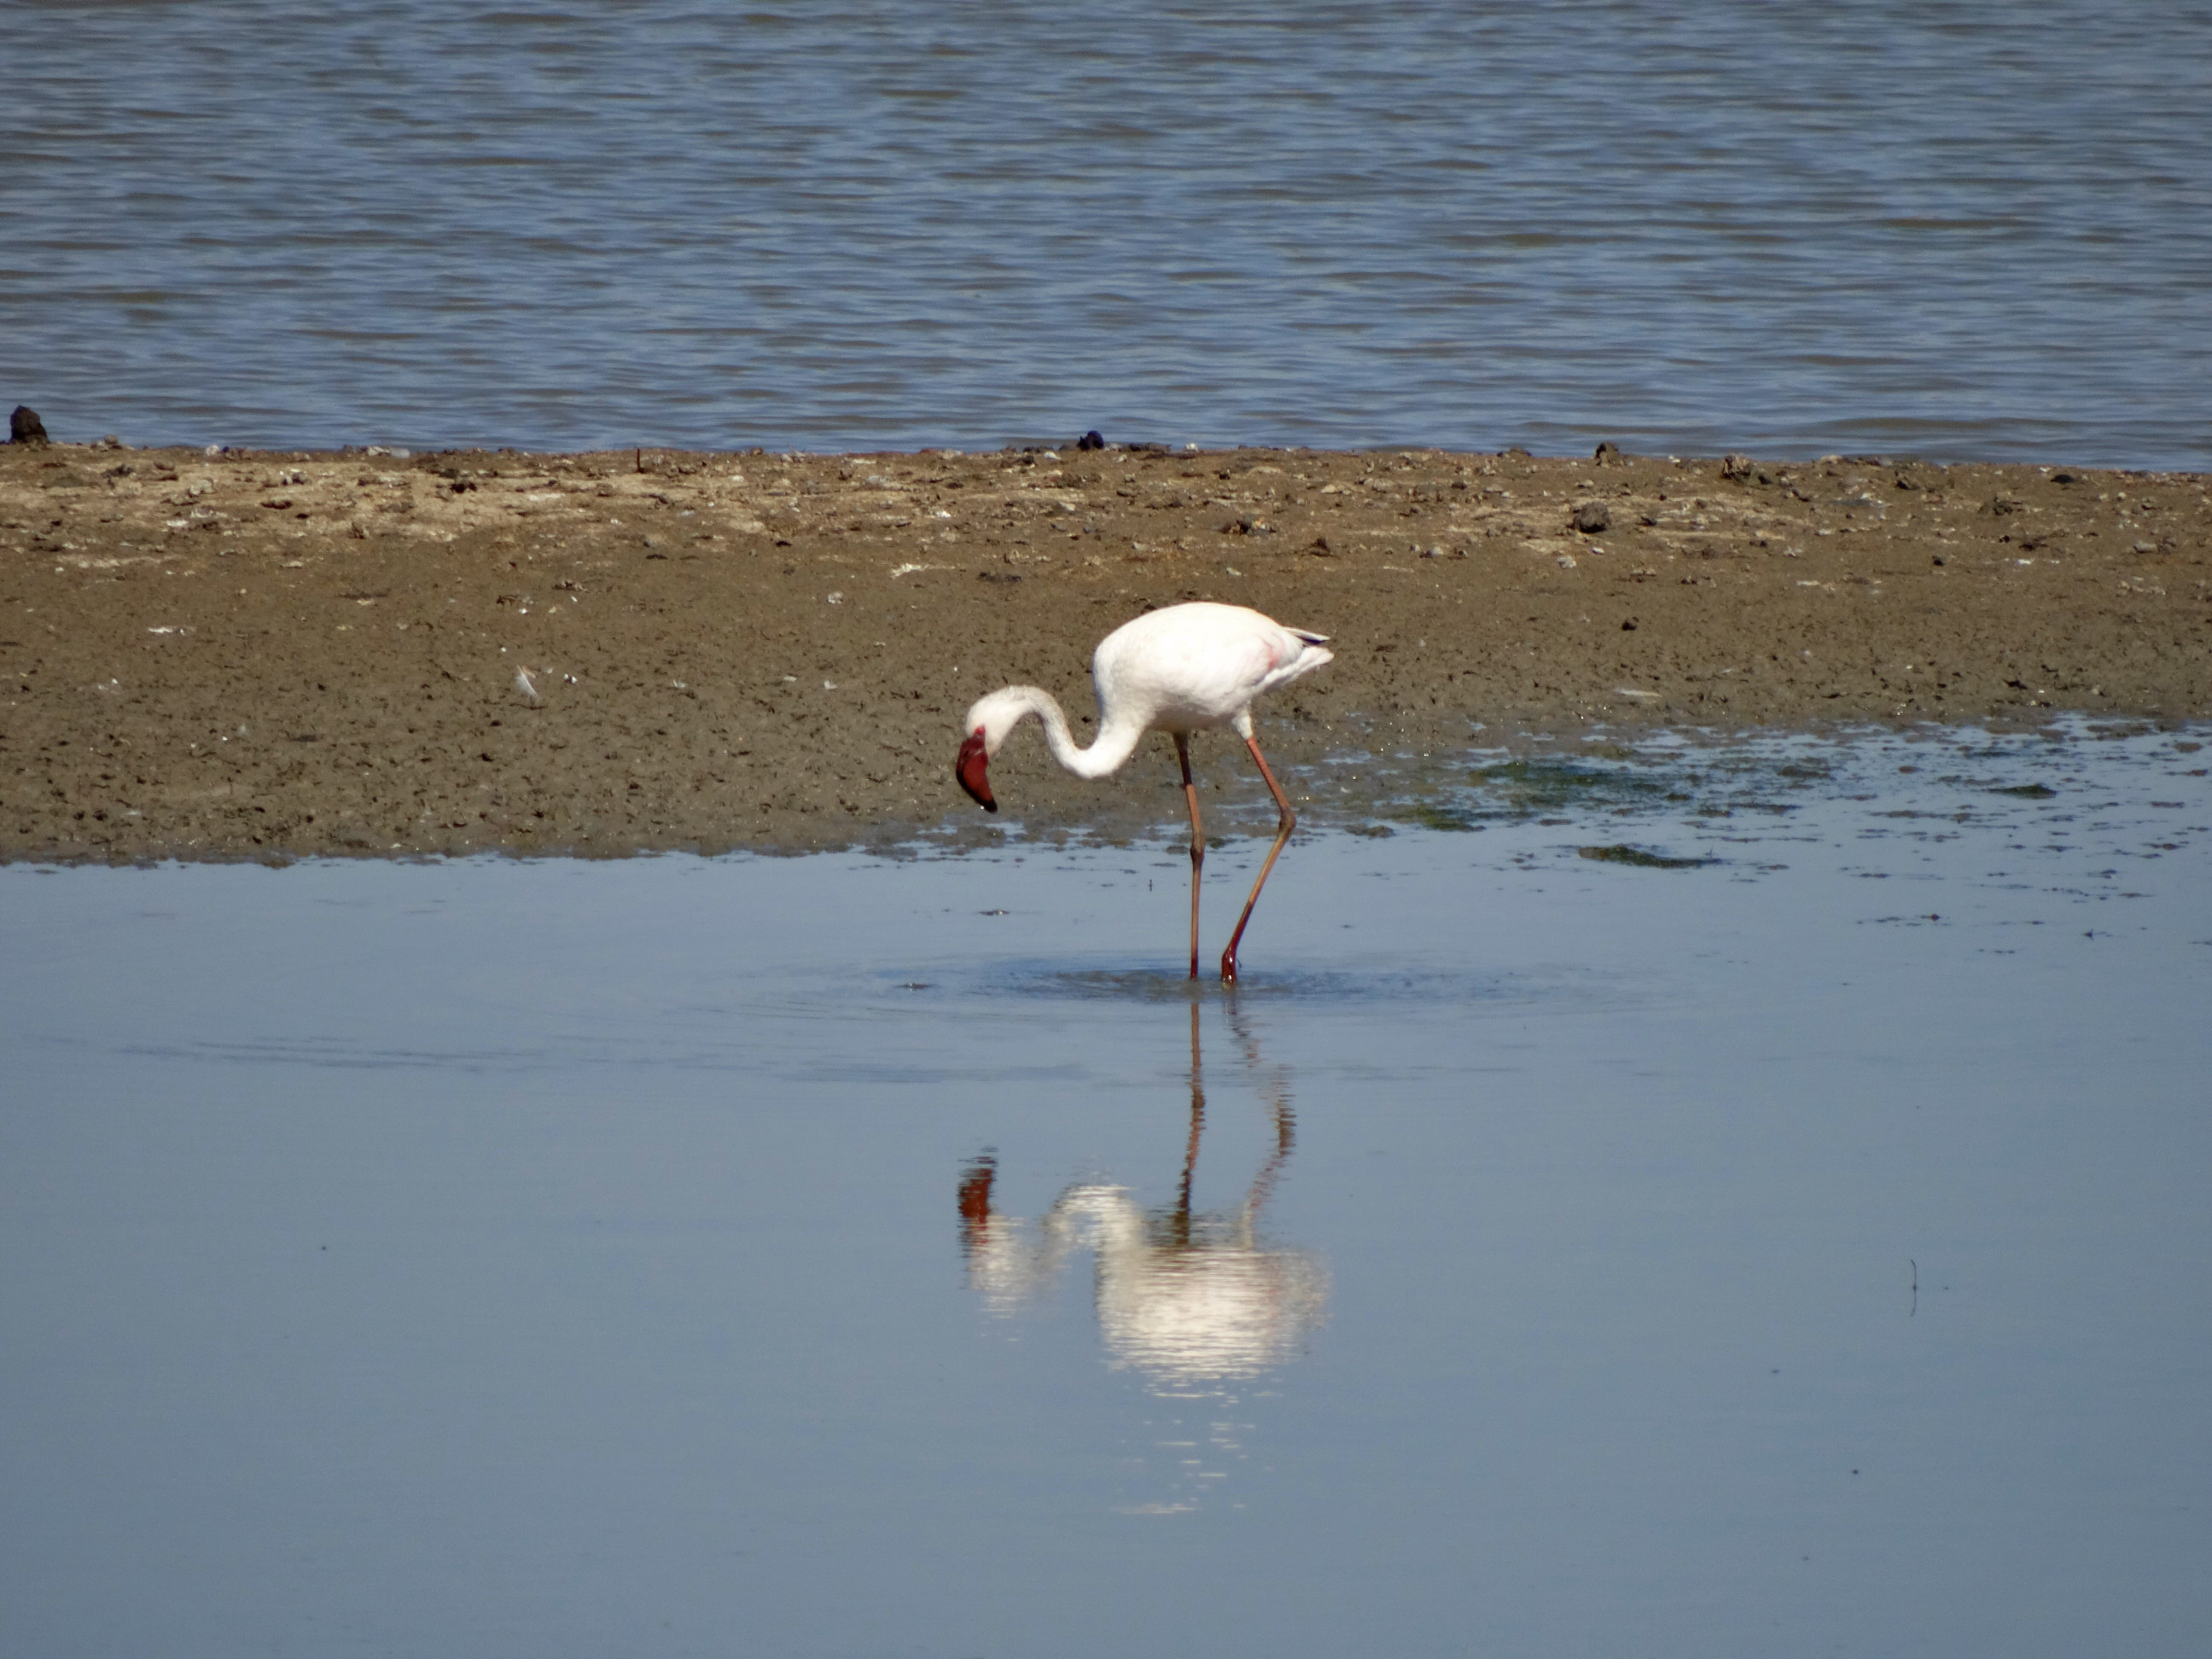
{"x":1197,"y":842}
{"x":1286,"y":822}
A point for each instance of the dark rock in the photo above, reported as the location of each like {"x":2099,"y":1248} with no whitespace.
{"x":24,"y":427}
{"x":1091,"y":441}
{"x":1592,"y":517}
{"x":1629,"y":627}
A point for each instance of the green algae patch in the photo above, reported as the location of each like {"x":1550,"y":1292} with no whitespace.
{"x":1642,"y":859}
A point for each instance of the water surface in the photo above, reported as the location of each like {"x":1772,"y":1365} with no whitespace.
{"x":1796,"y":1251}
{"x":1791,"y":227}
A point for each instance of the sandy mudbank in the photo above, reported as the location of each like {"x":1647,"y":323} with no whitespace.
{"x":265,"y":655}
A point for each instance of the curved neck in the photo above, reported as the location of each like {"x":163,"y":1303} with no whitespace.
{"x":1116,"y":740}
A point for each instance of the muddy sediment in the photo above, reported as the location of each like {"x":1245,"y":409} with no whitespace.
{"x":270,"y":655}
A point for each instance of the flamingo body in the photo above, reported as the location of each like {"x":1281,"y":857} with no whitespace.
{"x":1177,"y":671}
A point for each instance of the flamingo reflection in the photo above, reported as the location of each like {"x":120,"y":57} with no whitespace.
{"x":1187,"y":1297}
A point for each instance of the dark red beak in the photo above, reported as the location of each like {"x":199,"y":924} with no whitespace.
{"x":969,"y":770}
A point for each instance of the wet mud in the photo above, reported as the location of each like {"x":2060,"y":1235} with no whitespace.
{"x":276,"y":655}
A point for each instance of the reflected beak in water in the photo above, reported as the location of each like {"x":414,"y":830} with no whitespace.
{"x":970,"y":770}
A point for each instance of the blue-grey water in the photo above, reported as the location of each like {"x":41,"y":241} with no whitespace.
{"x":1861,"y":225}
{"x":1798,"y":1252}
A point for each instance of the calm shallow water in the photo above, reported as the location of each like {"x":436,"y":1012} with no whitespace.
{"x":1787,"y":228}
{"x":1800,"y":1251}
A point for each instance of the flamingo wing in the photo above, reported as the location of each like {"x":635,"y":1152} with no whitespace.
{"x":1200,"y":665}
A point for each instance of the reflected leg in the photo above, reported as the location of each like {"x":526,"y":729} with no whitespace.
{"x":1197,"y":1129}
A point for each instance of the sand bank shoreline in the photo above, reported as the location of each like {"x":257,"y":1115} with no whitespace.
{"x":268,"y":655}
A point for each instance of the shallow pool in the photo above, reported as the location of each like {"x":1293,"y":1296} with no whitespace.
{"x":1678,"y":1200}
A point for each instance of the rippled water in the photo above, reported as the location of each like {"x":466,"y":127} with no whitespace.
{"x":1786,"y":227}
{"x":1798,"y":1251}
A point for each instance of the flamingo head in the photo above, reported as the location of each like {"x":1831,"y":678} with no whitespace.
{"x":969,"y":769}
{"x":986,"y":725}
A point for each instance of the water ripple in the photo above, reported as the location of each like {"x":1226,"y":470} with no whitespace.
{"x":1785,"y":227}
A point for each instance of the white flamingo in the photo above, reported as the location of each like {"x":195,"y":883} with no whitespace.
{"x":1174,"y":671}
